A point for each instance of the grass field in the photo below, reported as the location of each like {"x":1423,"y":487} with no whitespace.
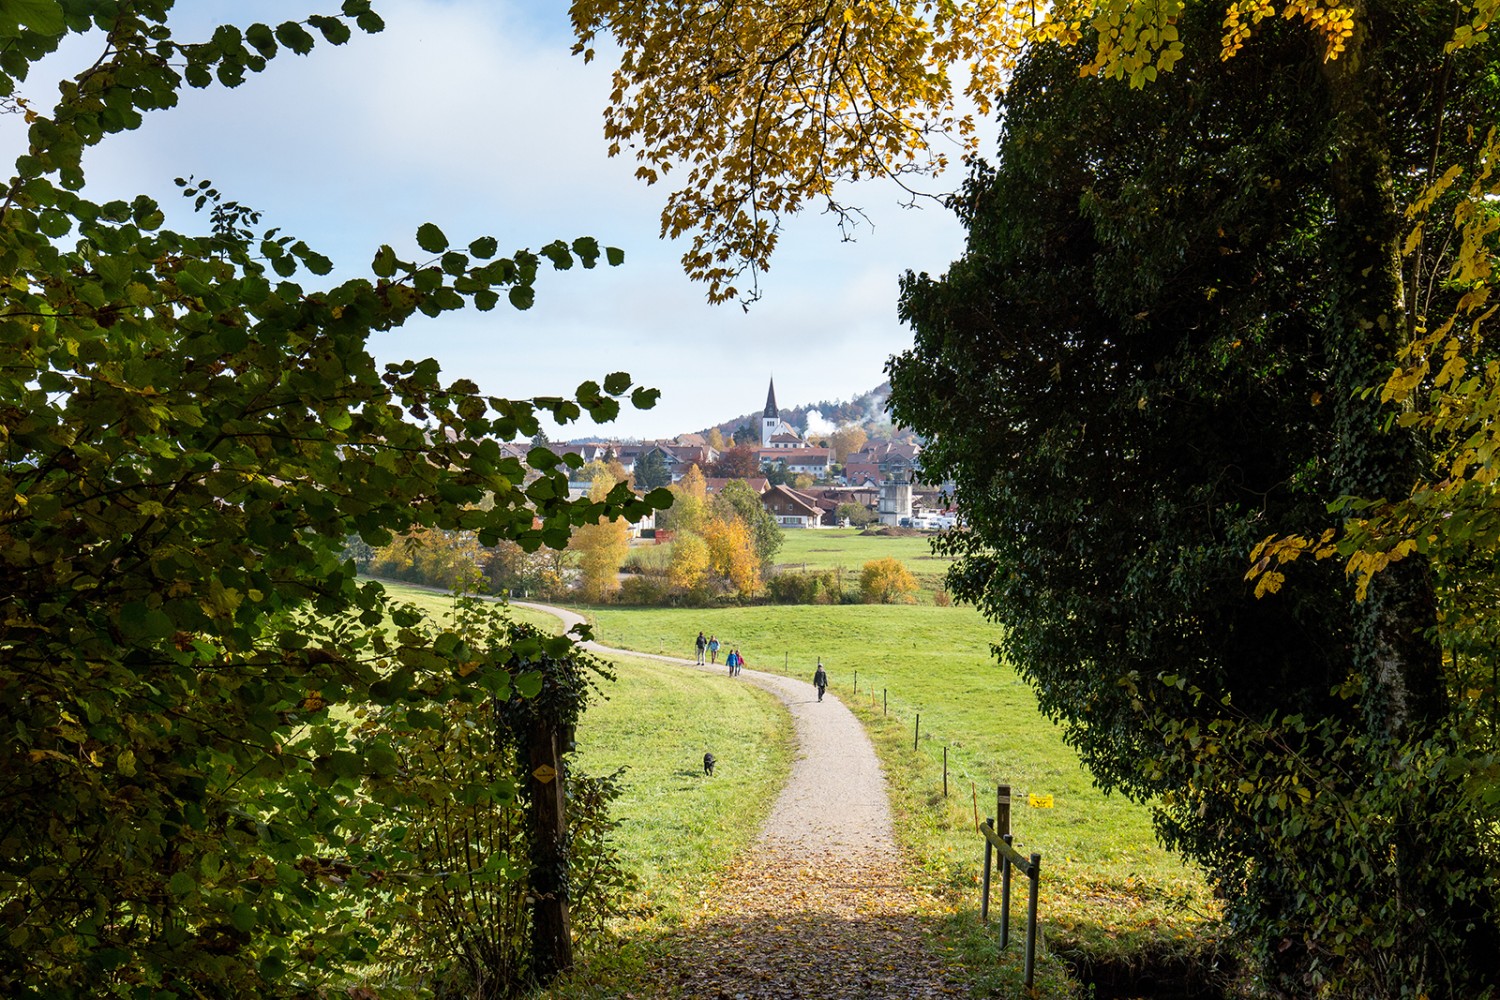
{"x":439,"y":604}
{"x":677,"y":827}
{"x":1109,"y":891}
{"x":849,"y":549}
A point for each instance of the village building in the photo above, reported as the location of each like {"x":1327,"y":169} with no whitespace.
{"x":792,"y":509}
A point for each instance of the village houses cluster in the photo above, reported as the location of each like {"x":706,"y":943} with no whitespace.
{"x":880,"y":478}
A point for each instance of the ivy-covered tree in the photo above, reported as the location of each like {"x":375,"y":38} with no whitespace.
{"x":1160,"y":347}
{"x":190,"y":429}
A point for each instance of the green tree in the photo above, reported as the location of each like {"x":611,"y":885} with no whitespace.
{"x":857,"y":514}
{"x":190,"y":428}
{"x":651,"y":471}
{"x":1208,"y":388}
{"x":738,"y":501}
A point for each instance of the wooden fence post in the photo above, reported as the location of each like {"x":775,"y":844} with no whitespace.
{"x":917,"y":732}
{"x":551,"y":933}
{"x":1005,"y":895}
{"x":945,"y":772}
{"x":1036,"y":877}
{"x":984,"y":896}
{"x":1002,"y":809}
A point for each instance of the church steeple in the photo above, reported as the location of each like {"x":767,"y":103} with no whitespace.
{"x":770,"y":420}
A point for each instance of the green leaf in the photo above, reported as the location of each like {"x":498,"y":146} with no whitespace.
{"x":484,"y":248}
{"x":614,"y":255}
{"x":522,"y":296}
{"x":295,"y":37}
{"x":243,"y":917}
{"x":431,"y":238}
{"x":261,"y":39}
{"x":334,"y":30}
{"x":529,"y":684}
{"x":181,"y":884}
{"x":616,"y":382}
{"x":54,"y":223}
{"x":384,"y":264}
{"x":138,"y":622}
{"x":45,"y":17}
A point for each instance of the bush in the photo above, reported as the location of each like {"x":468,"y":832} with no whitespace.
{"x":647,"y":591}
{"x":887,"y":581}
{"x":818,"y":587}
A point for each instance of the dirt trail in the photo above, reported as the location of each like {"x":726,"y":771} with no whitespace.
{"x":818,"y":906}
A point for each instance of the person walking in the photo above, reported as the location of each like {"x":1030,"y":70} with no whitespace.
{"x":702,"y":644}
{"x":820,"y":680}
{"x":713,"y":649}
{"x":739,"y":662}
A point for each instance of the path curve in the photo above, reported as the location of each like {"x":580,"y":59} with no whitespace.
{"x":819,"y":905}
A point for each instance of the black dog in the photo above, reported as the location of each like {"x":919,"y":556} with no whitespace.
{"x":708,"y":763}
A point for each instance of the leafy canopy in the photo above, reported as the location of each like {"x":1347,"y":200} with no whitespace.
{"x":765,"y":108}
{"x":190,"y":427}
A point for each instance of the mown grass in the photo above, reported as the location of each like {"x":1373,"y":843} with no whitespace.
{"x":439,"y":605}
{"x":1108,"y":892}
{"x":677,"y":826}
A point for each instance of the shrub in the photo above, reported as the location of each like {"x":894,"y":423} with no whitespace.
{"x":887,"y":581}
{"x":802,"y":587}
{"x":647,"y":591}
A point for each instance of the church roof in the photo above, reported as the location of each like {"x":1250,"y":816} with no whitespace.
{"x":771,"y":410}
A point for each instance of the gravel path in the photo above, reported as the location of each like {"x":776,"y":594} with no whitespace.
{"x":819,"y":905}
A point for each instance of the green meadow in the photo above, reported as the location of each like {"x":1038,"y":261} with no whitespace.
{"x":848,"y":549}
{"x":1109,"y":891}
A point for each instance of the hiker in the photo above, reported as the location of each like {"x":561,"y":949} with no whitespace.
{"x":702,"y":645}
{"x":713,"y":649}
{"x":739,"y":663}
{"x":730,"y":660}
{"x":820,"y":680}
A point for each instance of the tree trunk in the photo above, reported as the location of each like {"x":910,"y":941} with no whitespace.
{"x":1395,"y":654}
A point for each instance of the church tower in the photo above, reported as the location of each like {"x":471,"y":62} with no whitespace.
{"x":770,"y":420}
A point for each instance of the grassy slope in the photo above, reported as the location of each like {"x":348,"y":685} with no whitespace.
{"x":1107,"y":885}
{"x":439,"y":604}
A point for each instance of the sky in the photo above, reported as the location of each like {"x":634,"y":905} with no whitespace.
{"x":472,"y":114}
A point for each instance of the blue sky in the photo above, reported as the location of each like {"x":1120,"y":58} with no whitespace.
{"x":471,"y":114}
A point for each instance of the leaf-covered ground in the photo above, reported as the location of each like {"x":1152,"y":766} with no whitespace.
{"x":788,"y":923}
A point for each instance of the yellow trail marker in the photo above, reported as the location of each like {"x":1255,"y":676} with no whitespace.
{"x":1040,"y":801}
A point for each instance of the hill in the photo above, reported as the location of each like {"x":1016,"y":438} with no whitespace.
{"x":868,"y":410}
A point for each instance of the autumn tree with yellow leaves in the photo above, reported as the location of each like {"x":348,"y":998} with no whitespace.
{"x":602,"y":546}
